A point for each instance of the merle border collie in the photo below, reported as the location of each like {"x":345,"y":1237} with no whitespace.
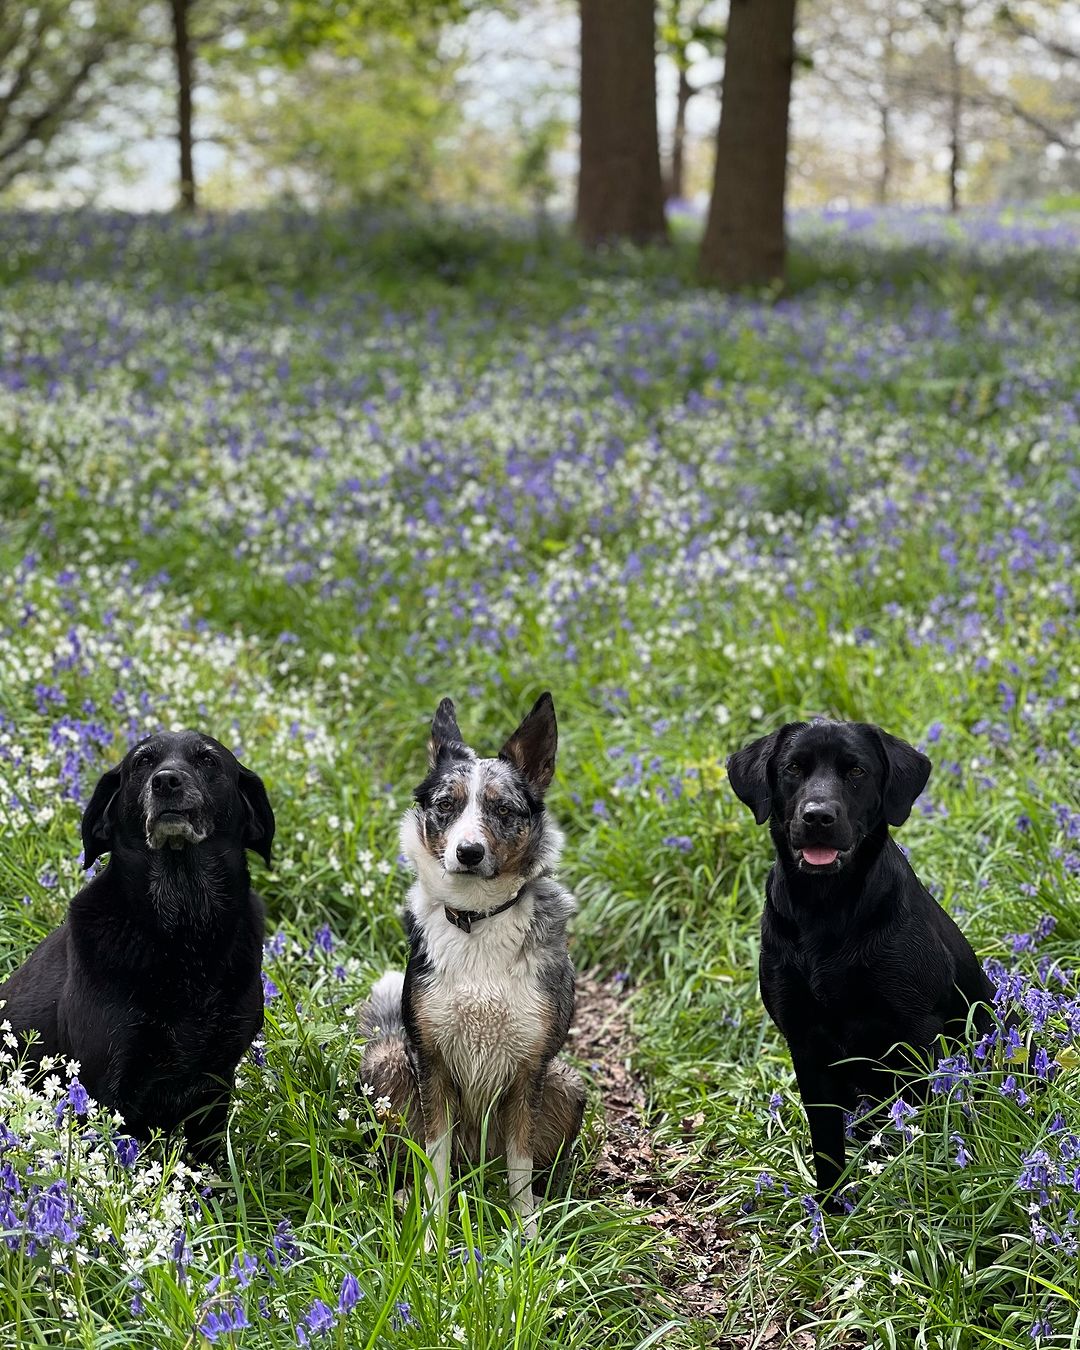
{"x":466,"y":1044}
{"x":859,"y":964}
{"x":153,"y":982}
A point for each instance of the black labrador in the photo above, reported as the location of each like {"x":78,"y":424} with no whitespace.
{"x":857,"y":958}
{"x":153,"y":983}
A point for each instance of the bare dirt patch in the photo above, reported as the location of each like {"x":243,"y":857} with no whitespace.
{"x":632,"y":1164}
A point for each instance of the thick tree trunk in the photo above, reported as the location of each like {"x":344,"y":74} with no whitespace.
{"x":743,"y":243}
{"x":620,"y":195}
{"x":676,"y":186}
{"x":185,"y":78}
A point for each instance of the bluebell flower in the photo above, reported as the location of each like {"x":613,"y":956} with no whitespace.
{"x":76,"y":1100}
{"x":817,"y":1222}
{"x":402,"y":1316}
{"x":350,"y":1295}
{"x":223,"y":1319}
{"x":127,"y":1150}
{"x":284,"y":1249}
{"x":900,"y":1113}
{"x":244,"y":1269}
{"x":682,"y":842}
{"x":317,"y":1321}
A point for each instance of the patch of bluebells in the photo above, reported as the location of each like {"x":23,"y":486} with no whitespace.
{"x":223,"y":1319}
{"x":320,"y":1319}
{"x":713,"y":543}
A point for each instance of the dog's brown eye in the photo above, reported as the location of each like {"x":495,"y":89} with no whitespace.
{"x":793,"y":769}
{"x":502,"y":810}
{"x":141,"y":759}
{"x":855,"y":771}
{"x":206,"y":757}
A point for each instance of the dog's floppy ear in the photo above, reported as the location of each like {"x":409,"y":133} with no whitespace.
{"x":444,"y":731}
{"x":259,"y":827}
{"x":532,"y":747}
{"x":97,"y":824}
{"x":748,"y":774}
{"x":908,"y":770}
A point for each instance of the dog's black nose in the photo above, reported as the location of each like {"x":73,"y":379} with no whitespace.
{"x":819,"y":813}
{"x":166,"y":782}
{"x":469,"y":853}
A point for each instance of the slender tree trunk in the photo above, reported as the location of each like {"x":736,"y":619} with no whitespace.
{"x":885,"y":114}
{"x":955,"y":110}
{"x":620,"y":195}
{"x":743,"y":243}
{"x":185,"y":79}
{"x":675,"y":184}
{"x":885,"y":177}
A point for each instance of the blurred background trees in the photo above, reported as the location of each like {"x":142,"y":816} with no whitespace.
{"x":728,"y":111}
{"x":61,"y":63}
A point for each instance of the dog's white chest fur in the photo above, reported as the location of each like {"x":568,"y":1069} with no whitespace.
{"x":483,"y":1001}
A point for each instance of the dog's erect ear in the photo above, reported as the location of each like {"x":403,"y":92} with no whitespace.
{"x":908,"y":770}
{"x":532,"y":747}
{"x":97,"y":823}
{"x":748,"y":774}
{"x":444,"y":730}
{"x":259,"y":827}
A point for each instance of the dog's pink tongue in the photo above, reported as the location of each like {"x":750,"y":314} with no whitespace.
{"x":819,"y":857}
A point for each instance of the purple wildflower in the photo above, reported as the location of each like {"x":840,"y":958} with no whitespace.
{"x":817,"y":1222}
{"x":900,"y":1113}
{"x":682,"y":842}
{"x":402,"y":1316}
{"x":350,"y":1295}
{"x":283,"y":1250}
{"x":222,"y":1319}
{"x":127,"y":1150}
{"x":317,"y":1321}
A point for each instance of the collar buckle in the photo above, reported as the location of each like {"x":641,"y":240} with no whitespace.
{"x":465,"y":918}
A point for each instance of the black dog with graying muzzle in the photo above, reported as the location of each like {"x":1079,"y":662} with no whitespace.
{"x":153,"y":982}
{"x":857,"y":958}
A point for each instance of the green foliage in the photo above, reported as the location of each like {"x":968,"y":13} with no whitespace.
{"x":339,"y":130}
{"x":294,"y":478}
{"x":292,"y":30}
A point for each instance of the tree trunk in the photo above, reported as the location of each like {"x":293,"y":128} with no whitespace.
{"x":885,"y":177}
{"x":620,"y":195}
{"x":885,"y":112}
{"x":955,"y":139}
{"x":743,"y":243}
{"x":675,"y":184}
{"x":184,"y":103}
